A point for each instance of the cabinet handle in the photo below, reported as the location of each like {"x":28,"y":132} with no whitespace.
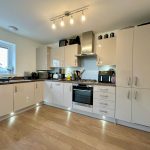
{"x":128,"y":95}
{"x":75,"y":62}
{"x":58,"y":84}
{"x":70,"y":88}
{"x":51,"y":85}
{"x":16,"y":89}
{"x":135,"y":95}
{"x":103,"y":111}
{"x":129,"y":81}
{"x":36,"y":85}
{"x":104,"y":104}
{"x":104,"y":96}
{"x":136,"y":81}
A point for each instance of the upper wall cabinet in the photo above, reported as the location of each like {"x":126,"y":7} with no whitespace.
{"x":124,"y":57}
{"x":43,"y":58}
{"x":65,"y":56}
{"x":141,"y":57}
{"x":70,"y":55}
{"x":57,"y":57}
{"x":106,"y":51}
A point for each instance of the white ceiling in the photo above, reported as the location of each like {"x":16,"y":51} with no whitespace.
{"x":31,"y":16}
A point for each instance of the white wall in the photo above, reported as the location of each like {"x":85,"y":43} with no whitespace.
{"x":25,"y":51}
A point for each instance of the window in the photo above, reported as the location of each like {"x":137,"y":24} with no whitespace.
{"x":7,"y":58}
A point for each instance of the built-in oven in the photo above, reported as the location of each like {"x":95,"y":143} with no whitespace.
{"x":83,"y":94}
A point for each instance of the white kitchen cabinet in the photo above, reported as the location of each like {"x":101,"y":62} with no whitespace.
{"x":23,"y":95}
{"x":39,"y":90}
{"x":141,"y":57}
{"x":57,"y":57}
{"x":57,"y":93}
{"x":106,"y":51}
{"x":48,"y":93}
{"x":67,"y":95}
{"x":141,"y":106}
{"x":6,"y":99}
{"x":70,"y":55}
{"x":123,"y":104}
{"x":104,"y":101}
{"x":43,"y":58}
{"x":124,"y":47}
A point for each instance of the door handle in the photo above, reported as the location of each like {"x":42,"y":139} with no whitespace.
{"x":16,"y":89}
{"x":136,"y":81}
{"x":129,"y":81}
{"x":128,"y":95}
{"x":36,"y":85}
{"x":135,"y":95}
{"x":70,"y":88}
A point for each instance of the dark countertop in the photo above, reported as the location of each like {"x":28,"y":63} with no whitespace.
{"x":64,"y":81}
{"x":79,"y":82}
{"x":20,"y":81}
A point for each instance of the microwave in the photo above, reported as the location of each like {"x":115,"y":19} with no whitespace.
{"x":105,"y":76}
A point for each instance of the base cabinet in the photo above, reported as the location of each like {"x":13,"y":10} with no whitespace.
{"x":6,"y":99}
{"x":141,"y":106}
{"x":39,"y":90}
{"x":67,"y":95}
{"x":57,"y":93}
{"x":23,"y":95}
{"x":123,"y":104}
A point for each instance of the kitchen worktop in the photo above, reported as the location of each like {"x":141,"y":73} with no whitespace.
{"x":79,"y":82}
{"x":19,"y":81}
{"x":64,"y":81}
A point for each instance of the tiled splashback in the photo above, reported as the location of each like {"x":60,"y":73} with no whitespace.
{"x":89,"y":65}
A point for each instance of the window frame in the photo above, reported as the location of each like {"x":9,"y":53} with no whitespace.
{"x":11,"y":56}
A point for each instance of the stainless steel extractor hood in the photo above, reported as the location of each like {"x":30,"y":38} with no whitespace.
{"x":87,"y":44}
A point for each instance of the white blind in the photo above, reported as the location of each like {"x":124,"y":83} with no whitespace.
{"x":3,"y":57}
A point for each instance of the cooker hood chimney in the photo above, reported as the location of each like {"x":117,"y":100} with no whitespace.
{"x":87,"y":44}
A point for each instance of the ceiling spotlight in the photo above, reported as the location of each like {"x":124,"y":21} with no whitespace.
{"x":13,"y":28}
{"x":71,"y":20}
{"x":62,"y":24}
{"x":83,"y":18}
{"x":53,"y":25}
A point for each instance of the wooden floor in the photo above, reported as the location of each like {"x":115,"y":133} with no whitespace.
{"x":49,"y":128}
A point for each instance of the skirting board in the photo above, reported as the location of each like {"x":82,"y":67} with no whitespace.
{"x":20,"y":111}
{"x":113,"y":120}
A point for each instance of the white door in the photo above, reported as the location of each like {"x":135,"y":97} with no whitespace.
{"x":19,"y":97}
{"x":57,"y":90}
{"x":141,"y":57}
{"x":106,"y":51}
{"x":39,"y":89}
{"x":67,"y":95}
{"x":57,"y":57}
{"x":124,"y":57}
{"x":48,"y":92}
{"x":141,"y":106}
{"x":6,"y":99}
{"x":123,"y":104}
{"x":70,"y":55}
{"x":29,"y":93}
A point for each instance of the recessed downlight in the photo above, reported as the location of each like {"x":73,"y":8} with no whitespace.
{"x":13,"y":28}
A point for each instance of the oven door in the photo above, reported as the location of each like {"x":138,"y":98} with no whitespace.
{"x":83,"y":94}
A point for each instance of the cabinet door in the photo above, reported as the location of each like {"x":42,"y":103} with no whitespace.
{"x":70,"y":55}
{"x":19,"y":97}
{"x":6,"y":99}
{"x":43,"y":58}
{"x":67,"y":95}
{"x":123,"y":104}
{"x":141,"y":106}
{"x":106,"y":51}
{"x":57,"y":90}
{"x":124,"y":57}
{"x":57,"y":57}
{"x":29,"y":93}
{"x":48,"y":92}
{"x":39,"y":89}
{"x":141,"y":57}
